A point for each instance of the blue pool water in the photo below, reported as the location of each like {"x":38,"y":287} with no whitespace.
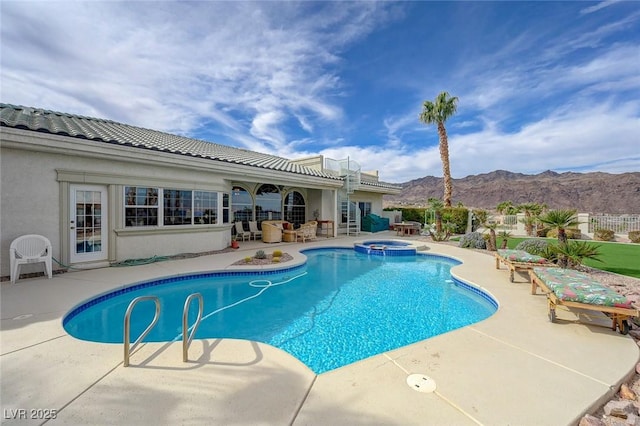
{"x":340,"y":307}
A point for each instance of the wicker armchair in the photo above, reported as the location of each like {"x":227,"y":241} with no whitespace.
{"x":272,"y":230}
{"x":307,"y":231}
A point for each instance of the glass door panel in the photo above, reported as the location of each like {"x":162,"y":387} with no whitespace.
{"x":87,"y":226}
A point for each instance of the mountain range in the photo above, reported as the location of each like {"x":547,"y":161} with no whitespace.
{"x":595,"y":192}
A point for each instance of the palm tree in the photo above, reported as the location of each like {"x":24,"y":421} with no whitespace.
{"x":560,"y":220}
{"x":438,"y":112}
{"x":531,"y":211}
{"x":503,"y":206}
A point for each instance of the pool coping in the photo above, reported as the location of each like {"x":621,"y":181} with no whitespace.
{"x":515,"y":353}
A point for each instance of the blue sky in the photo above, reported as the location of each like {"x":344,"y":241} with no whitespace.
{"x":541,"y":85}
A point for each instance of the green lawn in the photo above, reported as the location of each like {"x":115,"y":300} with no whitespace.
{"x":620,"y":258}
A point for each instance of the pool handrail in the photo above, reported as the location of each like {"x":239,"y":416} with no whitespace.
{"x":128,"y":347}
{"x":186,"y":336}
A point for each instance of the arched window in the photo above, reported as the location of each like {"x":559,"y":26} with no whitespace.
{"x":241,"y":205}
{"x":294,"y":208}
{"x":268,"y":203}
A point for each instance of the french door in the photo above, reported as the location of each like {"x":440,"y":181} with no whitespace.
{"x":88,"y":223}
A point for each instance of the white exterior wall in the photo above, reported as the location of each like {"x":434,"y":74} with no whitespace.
{"x":29,"y":190}
{"x":35,"y":186}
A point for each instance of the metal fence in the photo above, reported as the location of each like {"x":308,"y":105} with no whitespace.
{"x":619,"y":224}
{"x":505,"y":221}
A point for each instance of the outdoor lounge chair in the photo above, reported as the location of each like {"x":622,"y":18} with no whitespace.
{"x":255,"y":232}
{"x":29,"y":249}
{"x":575,"y":289}
{"x":519,"y":260}
{"x":240,"y":232}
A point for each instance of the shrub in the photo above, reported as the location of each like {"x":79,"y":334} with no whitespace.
{"x":260,"y":254}
{"x":572,"y":233}
{"x":458,"y":216}
{"x":277,"y":253}
{"x":247,"y":259}
{"x":413,"y":214}
{"x":603,"y":235}
{"x":473,"y":240}
{"x":634,"y":236}
{"x":537,"y":247}
{"x":276,"y":259}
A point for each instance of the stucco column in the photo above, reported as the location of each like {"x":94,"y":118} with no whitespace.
{"x":520,"y":224}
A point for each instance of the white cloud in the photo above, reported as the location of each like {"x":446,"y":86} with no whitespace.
{"x":598,"y":6}
{"x":238,"y":64}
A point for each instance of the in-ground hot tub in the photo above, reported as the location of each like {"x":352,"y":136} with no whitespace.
{"x":385,"y":247}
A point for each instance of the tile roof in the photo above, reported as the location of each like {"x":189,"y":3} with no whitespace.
{"x":108,"y":131}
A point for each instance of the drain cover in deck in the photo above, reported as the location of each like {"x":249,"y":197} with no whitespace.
{"x":421,"y":383}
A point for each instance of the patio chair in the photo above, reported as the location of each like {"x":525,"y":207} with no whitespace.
{"x":255,"y":232}
{"x":240,"y":232}
{"x":29,"y":249}
{"x":519,"y":260}
{"x":307,"y":231}
{"x":575,"y":289}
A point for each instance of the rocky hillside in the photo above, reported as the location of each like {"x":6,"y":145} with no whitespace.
{"x":586,"y":192}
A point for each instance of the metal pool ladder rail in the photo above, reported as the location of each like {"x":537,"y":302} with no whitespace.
{"x":128,"y":347}
{"x":186,"y":336}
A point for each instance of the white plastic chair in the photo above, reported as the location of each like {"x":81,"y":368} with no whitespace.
{"x":240,"y":232}
{"x":253,"y":228}
{"x":29,"y":249}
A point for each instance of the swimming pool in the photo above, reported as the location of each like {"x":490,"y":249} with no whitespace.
{"x":340,"y":307}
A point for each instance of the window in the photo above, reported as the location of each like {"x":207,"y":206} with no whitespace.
{"x":242,"y":205}
{"x":365,"y":208}
{"x":268,"y":203}
{"x":177,"y":207}
{"x":141,"y":206}
{"x":205,"y":207}
{"x":225,"y":208}
{"x":294,"y":208}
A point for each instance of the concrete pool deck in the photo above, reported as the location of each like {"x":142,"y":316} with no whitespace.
{"x":513,"y":368}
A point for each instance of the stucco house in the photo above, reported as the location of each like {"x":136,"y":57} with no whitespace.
{"x":104,"y":192}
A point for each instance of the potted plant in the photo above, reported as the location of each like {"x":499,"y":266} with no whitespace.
{"x":234,"y":242}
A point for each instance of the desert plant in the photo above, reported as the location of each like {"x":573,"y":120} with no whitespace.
{"x":473,"y":240}
{"x":444,"y":234}
{"x":560,"y":220}
{"x":505,"y":238}
{"x":576,"y":251}
{"x":276,"y":259}
{"x":537,"y":247}
{"x":634,"y":236}
{"x":260,"y":254}
{"x":531,"y":213}
{"x":491,"y":243}
{"x":247,"y":259}
{"x":436,"y":206}
{"x":603,"y":235}
{"x":571,"y":233}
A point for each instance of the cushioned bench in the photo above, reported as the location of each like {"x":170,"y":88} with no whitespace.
{"x":519,"y":260}
{"x":576,"y":289}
